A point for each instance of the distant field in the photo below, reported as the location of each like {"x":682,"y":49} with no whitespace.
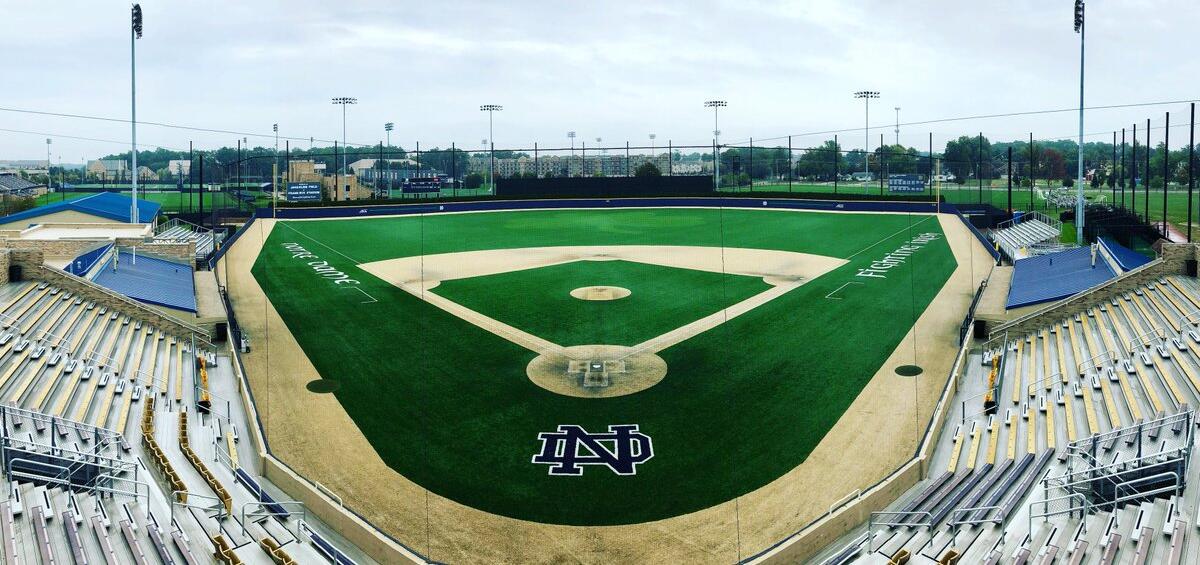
{"x":171,"y":201}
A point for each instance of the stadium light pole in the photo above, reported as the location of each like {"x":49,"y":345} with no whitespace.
{"x":571,"y":136}
{"x":491,"y":109}
{"x":1079,"y":165}
{"x":866,"y":96}
{"x":897,"y":125}
{"x":135,"y":33}
{"x":716,"y":105}
{"x":49,"y":183}
{"x":275,"y":167}
{"x":387,"y":162}
{"x":343,"y":101}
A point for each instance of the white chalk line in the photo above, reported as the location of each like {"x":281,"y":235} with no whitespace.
{"x":835,"y":291}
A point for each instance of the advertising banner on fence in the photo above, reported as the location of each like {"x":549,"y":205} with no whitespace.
{"x":303,"y":192}
{"x":906,"y":183}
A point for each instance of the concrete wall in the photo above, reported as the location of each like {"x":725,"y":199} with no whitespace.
{"x":184,"y":252}
{"x":55,"y":247}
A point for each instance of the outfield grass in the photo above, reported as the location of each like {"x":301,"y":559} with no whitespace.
{"x":449,"y":406}
{"x":539,"y":302}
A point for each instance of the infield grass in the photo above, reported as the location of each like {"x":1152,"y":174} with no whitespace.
{"x":539,"y":301}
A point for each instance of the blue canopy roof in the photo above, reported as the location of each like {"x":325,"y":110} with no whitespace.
{"x":111,"y":205}
{"x":1055,"y":276}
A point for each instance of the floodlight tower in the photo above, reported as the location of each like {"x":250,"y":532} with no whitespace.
{"x":343,"y":101}
{"x":491,"y":109}
{"x":275,"y":166}
{"x":897,"y":125}
{"x":387,"y":162}
{"x":1079,"y":165}
{"x":716,"y":105}
{"x":135,"y":33}
{"x":49,"y":184}
{"x":866,"y":96}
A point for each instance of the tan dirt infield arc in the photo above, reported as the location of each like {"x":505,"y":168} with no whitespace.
{"x":878,"y":433}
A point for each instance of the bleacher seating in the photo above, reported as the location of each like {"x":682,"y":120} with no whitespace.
{"x":1016,"y":237}
{"x":178,"y":231}
{"x":1125,"y":360}
{"x":1055,"y":276}
{"x":14,"y":185}
{"x":73,"y":364}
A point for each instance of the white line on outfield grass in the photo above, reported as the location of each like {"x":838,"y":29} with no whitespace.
{"x":319,"y":242}
{"x":835,"y":291}
{"x":373,"y":299}
{"x":900,"y":231}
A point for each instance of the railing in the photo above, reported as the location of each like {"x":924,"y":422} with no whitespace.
{"x":1191,"y":318}
{"x":900,"y":523}
{"x":1090,"y":361}
{"x":264,"y":511}
{"x":1082,"y":508}
{"x":1141,"y":343}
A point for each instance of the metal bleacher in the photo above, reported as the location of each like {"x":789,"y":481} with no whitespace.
{"x":1025,"y":235}
{"x":180,"y":231}
{"x":85,"y":483}
{"x":1084,"y":457}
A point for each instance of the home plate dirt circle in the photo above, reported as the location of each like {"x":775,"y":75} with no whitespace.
{"x":596,"y":371}
{"x":600,"y":293}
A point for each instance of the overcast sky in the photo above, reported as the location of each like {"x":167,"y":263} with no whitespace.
{"x":615,"y":70}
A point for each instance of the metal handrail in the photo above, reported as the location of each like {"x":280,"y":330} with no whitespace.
{"x":1030,"y":388}
{"x":1109,"y":354}
{"x":871,"y":524}
{"x":264,"y":511}
{"x":1156,"y":331}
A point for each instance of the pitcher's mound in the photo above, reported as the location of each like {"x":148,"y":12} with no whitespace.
{"x":600,"y":293}
{"x":625,"y":372}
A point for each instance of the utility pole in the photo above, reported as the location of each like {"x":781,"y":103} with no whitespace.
{"x":134,"y":35}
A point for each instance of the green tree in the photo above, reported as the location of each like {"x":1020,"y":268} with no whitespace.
{"x":647,"y":169}
{"x":820,"y":163}
{"x":473,"y":180}
{"x":966,"y":155}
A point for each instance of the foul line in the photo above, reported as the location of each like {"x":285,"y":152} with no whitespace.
{"x":898,"y":232}
{"x":322,"y":244}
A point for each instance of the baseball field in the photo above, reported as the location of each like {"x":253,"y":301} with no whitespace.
{"x":599,"y":368}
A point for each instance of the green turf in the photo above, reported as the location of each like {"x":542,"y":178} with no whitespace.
{"x":449,"y":406}
{"x":539,"y":302}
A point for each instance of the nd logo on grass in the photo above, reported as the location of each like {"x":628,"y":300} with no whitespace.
{"x":621,"y":449}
